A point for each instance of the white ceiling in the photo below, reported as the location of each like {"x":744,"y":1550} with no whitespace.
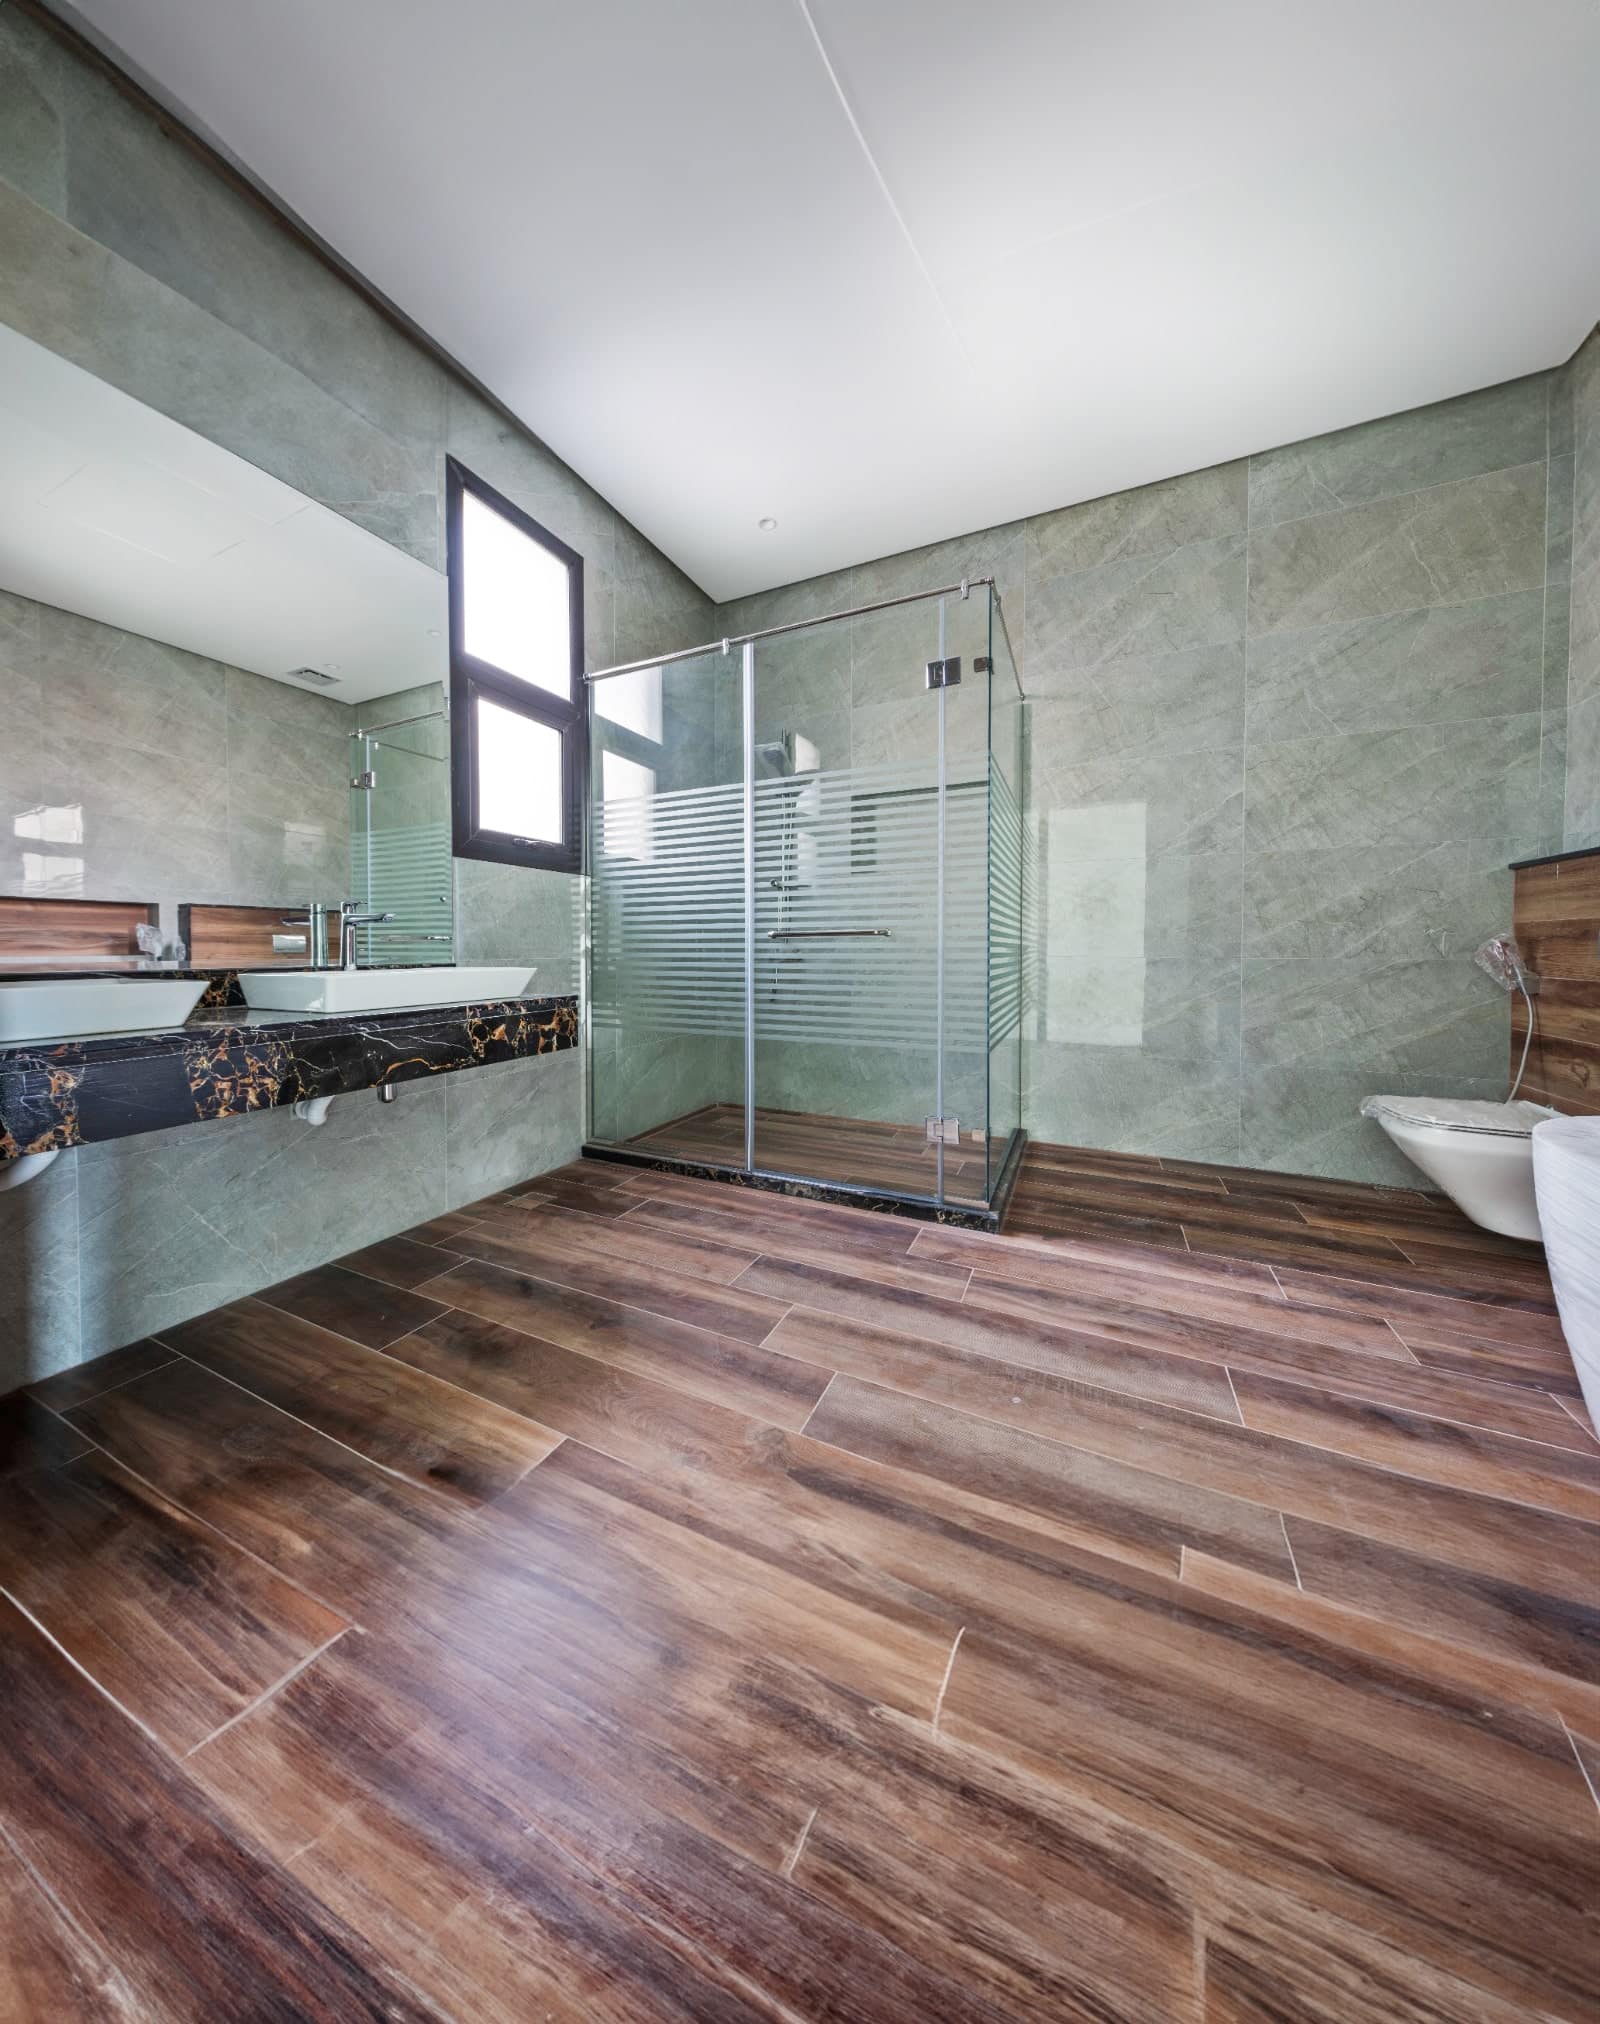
{"x":121,"y":514}
{"x":895,"y":269}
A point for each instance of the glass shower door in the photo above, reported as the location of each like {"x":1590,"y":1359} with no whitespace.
{"x":847,"y":801}
{"x":667,"y":910}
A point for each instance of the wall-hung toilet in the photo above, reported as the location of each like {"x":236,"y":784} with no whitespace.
{"x":1479,"y":1153}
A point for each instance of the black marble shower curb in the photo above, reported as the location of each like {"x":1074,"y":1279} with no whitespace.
{"x":55,"y":1095}
{"x":882,"y":1200}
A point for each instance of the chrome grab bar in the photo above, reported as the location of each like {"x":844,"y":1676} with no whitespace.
{"x":826,"y":934}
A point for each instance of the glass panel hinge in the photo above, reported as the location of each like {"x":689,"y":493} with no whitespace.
{"x":944,"y":674}
{"x":944,"y":1129}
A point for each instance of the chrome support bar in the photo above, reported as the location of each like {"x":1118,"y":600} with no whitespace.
{"x":794,"y":625}
{"x":827,"y":934}
{"x":371,"y":730}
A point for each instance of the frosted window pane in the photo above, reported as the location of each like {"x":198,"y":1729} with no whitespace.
{"x":519,"y":775}
{"x":514,"y":600}
{"x":633,"y":701}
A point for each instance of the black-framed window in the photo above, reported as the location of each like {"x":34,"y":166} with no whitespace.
{"x":517,"y":719}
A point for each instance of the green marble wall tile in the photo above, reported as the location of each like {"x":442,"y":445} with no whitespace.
{"x":1582,"y":784}
{"x":1188,"y":801}
{"x":1493,"y":430}
{"x":39,"y":1275}
{"x":1148,"y":704}
{"x":1481,"y":659}
{"x":1141,"y":608}
{"x":173,"y":1223}
{"x":992,"y":551}
{"x":1125,"y":1100}
{"x":1153,"y":520}
{"x":33,"y":137}
{"x":508,"y":1121}
{"x":1436,"y":782}
{"x":1472,"y":538}
{"x":1380,"y":902}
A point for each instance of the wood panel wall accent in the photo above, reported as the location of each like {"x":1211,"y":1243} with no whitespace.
{"x":70,"y":934}
{"x":1556,"y":919}
{"x":240,"y":938}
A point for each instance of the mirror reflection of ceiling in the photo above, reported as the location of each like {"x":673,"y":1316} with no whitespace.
{"x":120,"y":514}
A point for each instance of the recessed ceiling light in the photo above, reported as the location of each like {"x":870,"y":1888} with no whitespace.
{"x":768,"y":525}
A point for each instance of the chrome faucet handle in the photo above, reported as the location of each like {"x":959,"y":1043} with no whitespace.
{"x":315,"y":921}
{"x":349,"y":921}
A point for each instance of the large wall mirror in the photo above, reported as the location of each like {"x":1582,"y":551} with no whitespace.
{"x":216,"y":692}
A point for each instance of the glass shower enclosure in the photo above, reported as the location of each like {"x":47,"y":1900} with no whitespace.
{"x":400,"y":861}
{"x":806,"y":862}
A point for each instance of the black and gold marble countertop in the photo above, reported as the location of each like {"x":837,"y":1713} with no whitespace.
{"x":226,"y":1060}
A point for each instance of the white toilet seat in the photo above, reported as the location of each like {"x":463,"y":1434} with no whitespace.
{"x":1479,"y":1153}
{"x":1460,"y":1113}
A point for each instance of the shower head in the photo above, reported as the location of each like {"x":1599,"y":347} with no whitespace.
{"x":1501,"y":959}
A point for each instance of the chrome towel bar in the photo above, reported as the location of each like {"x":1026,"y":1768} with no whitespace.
{"x":826,"y":934}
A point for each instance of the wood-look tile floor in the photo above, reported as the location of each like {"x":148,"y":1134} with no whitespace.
{"x":635,"y":1598}
{"x":855,"y":1151}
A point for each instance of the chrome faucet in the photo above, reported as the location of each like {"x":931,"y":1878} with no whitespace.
{"x":349,"y":921}
{"x":315,"y":921}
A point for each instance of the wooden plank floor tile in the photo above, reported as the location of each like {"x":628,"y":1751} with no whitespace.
{"x":32,"y":1436}
{"x":440,"y":1229}
{"x":335,"y":1523}
{"x":430,"y":1433}
{"x":1182,"y":1607}
{"x":368,"y":1310}
{"x":693,"y":1255}
{"x":610,"y":1408}
{"x":49,"y":1968}
{"x":663,"y":1569}
{"x":1091,"y":1359}
{"x":1307,"y":1351}
{"x":885,"y":1256}
{"x":1509,"y":1319}
{"x":540,"y":1252}
{"x":1543,"y":1614}
{"x":1274,"y":1959}
{"x":1555,"y":1477}
{"x":397,"y":1261}
{"x":102,"y":1373}
{"x":178,"y":1625}
{"x":776,"y":1386}
{"x":196,"y":1922}
{"x":1193,"y":1452}
{"x":1104,"y":1503}
{"x":1460,"y":1832}
{"x":1445,"y":1660}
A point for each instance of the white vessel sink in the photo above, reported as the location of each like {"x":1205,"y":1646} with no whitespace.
{"x":382,"y":990}
{"x":56,"y":1008}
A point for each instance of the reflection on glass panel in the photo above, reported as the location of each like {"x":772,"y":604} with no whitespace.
{"x":633,"y":701}
{"x":519,"y":775}
{"x":628,"y":789}
{"x":515,"y":612}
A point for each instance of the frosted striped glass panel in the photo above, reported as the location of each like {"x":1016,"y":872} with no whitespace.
{"x":408,"y":873}
{"x":666,"y":858}
{"x":668,"y":954}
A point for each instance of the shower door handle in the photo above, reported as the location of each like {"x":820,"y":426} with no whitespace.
{"x":827,"y":934}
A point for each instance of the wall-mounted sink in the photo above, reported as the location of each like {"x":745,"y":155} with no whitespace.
{"x":56,"y":1008}
{"x":383,"y":990}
